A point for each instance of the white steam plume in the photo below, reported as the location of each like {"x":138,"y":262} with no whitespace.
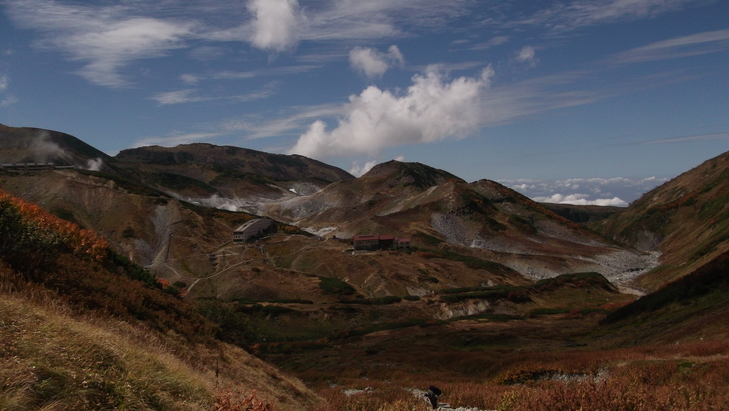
{"x":44,"y":150}
{"x":94,"y":164}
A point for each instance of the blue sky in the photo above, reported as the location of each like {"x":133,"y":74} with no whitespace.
{"x":587,"y":102}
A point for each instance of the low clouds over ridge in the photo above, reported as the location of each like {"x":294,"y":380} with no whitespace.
{"x":617,"y":191}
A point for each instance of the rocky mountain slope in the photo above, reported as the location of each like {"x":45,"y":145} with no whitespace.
{"x":435,"y":209}
{"x":686,"y":219}
{"x":146,"y":196}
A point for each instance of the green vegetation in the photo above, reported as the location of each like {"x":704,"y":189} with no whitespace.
{"x":522,"y":294}
{"x":126,"y":184}
{"x":64,"y":214}
{"x":522,"y":224}
{"x":180,"y":182}
{"x":390,"y":299}
{"x":470,"y":262}
{"x":333,"y":285}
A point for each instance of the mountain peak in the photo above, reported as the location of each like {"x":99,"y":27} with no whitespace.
{"x":411,"y":174}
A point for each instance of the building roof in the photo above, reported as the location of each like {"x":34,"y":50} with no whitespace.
{"x":366,"y":237}
{"x":250,"y":223}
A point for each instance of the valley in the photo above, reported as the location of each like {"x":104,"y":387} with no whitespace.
{"x":499,"y":301}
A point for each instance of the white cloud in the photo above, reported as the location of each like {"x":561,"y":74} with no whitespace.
{"x":190,"y":78}
{"x":368,"y":61}
{"x":432,"y":109}
{"x":275,"y":24}
{"x":581,"y":199}
{"x":617,"y":191}
{"x":527,"y":55}
{"x":395,"y":55}
{"x":176,"y":97}
{"x":582,"y":13}
{"x":106,"y":39}
{"x":8,"y":101}
{"x":290,"y":123}
{"x":191,"y":96}
{"x":373,"y":63}
{"x":493,"y":42}
{"x":685,"y":46}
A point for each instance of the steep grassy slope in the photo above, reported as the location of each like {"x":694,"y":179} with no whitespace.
{"x":83,"y":328}
{"x":687,"y":219}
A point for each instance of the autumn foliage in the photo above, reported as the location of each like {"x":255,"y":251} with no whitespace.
{"x":41,"y":254}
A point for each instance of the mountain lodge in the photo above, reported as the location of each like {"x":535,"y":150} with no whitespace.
{"x":250,"y":229}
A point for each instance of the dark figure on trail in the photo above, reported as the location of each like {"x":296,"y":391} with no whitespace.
{"x":433,"y":394}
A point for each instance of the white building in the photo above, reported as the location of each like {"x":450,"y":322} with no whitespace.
{"x":251,"y":229}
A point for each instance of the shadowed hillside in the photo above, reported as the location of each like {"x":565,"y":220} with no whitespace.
{"x":33,"y":145}
{"x":686,"y":219}
{"x":231,"y":174}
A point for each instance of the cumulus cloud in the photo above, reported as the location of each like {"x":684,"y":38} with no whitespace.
{"x":373,"y":63}
{"x":275,"y":24}
{"x":432,"y":109}
{"x":4,"y":81}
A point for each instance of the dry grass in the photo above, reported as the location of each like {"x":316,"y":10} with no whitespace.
{"x":691,"y":376}
{"x":52,"y":361}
